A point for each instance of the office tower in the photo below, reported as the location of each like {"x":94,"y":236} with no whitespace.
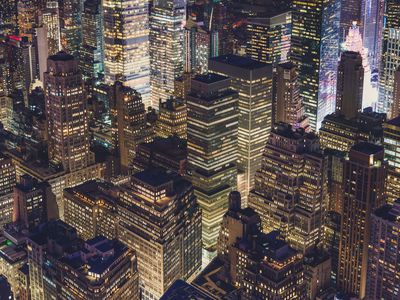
{"x":306,"y":48}
{"x":70,"y":26}
{"x":34,"y":203}
{"x":7,"y":175}
{"x":363,"y":192}
{"x":372,"y":20}
{"x":331,"y":241}
{"x":51,"y":21}
{"x":167,"y":19}
{"x":330,"y":46}
{"x":349,"y":84}
{"x":199,"y":45}
{"x":253,"y":264}
{"x":252,"y":80}
{"x":91,"y":209}
{"x":66,"y":113}
{"x":383,"y":279}
{"x":160,"y":219}
{"x":169,"y":153}
{"x":91,"y":53}
{"x":126,"y":45}
{"x":129,"y":122}
{"x":288,"y":107}
{"x":172,"y":118}
{"x":339,"y":133}
{"x":317,"y":271}
{"x":395,"y":109}
{"x":269,"y":37}
{"x":212,"y":148}
{"x":291,"y":192}
{"x":63,"y":266}
{"x":336,"y":160}
{"x":391,"y":143}
{"x":390,"y":60}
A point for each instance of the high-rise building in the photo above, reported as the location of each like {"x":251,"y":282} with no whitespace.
{"x":27,"y":18}
{"x":269,"y":38}
{"x":291,"y":192}
{"x":288,"y":107}
{"x":91,"y":209}
{"x":51,"y":21}
{"x":7,"y":175}
{"x":66,"y":113}
{"x":372,"y":20}
{"x":34,"y":203}
{"x":306,"y":54}
{"x":126,"y":45}
{"x":212,"y":148}
{"x":91,"y":53}
{"x":331,"y":241}
{"x":252,"y":80}
{"x":71,"y":26}
{"x":363,"y":192}
{"x":339,"y":133}
{"x":167,"y":20}
{"x":65,"y":267}
{"x":350,"y":80}
{"x":129,"y":123}
{"x":395,"y":109}
{"x":350,"y":11}
{"x":172,"y":118}
{"x":383,"y":278}
{"x":161,"y":220}
{"x":391,"y":142}
{"x":390,"y":60}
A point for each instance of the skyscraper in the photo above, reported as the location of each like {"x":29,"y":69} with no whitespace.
{"x":350,"y":11}
{"x":212,"y":148}
{"x":129,"y":123}
{"x":383,"y":279}
{"x":167,"y":19}
{"x":91,"y":209}
{"x":288,"y":107}
{"x":91,"y":53}
{"x":161,"y":220}
{"x":126,"y":45}
{"x":395,"y":109}
{"x":70,"y":26}
{"x":350,"y":79}
{"x":51,"y":21}
{"x":391,"y":142}
{"x":66,"y":113}
{"x":390,"y":56}
{"x":306,"y":54}
{"x":269,"y":38}
{"x":291,"y":193}
{"x":7,"y":175}
{"x":252,"y":80}
{"x":364,"y":191}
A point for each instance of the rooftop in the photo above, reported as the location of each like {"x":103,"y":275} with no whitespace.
{"x":395,"y":121}
{"x":367,"y":148}
{"x":209,"y":78}
{"x":61,"y":56}
{"x":155,"y":176}
{"x":239,"y":61}
{"x":171,"y":147}
{"x":389,"y":212}
{"x":181,"y":290}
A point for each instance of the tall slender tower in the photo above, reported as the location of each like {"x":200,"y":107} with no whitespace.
{"x":126,"y":45}
{"x":66,"y":113}
{"x":91,"y":57}
{"x":363,"y":191}
{"x":306,"y":54}
{"x":252,"y":80}
{"x":349,"y":90}
{"x":212,"y":148}
{"x":70,"y":24}
{"x":51,"y":20}
{"x":167,"y":19}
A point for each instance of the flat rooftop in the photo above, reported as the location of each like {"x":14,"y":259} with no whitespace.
{"x":154,"y":176}
{"x":395,"y":121}
{"x":367,"y":148}
{"x":210,"y":78}
{"x":239,"y":61}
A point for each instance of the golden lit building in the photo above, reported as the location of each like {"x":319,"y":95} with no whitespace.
{"x":291,"y":187}
{"x":91,"y":209}
{"x":172,"y":118}
{"x":51,"y":20}
{"x":160,"y":219}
